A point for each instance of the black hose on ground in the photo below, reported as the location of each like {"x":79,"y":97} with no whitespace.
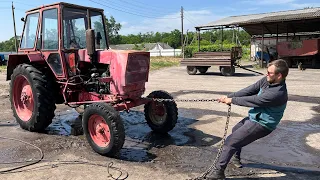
{"x":32,"y":162}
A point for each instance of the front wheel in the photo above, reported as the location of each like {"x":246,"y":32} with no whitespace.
{"x":161,"y":116}
{"x":103,"y":129}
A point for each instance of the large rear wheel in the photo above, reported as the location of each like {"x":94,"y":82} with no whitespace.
{"x":161,"y":116}
{"x":32,"y":99}
{"x":103,"y":129}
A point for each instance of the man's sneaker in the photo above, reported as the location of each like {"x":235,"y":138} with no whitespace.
{"x":215,"y":174}
{"x":236,"y":162}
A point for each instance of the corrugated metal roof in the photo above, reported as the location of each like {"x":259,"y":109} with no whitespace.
{"x":308,"y":13}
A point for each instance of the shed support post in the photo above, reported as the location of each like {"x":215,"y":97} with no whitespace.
{"x":222,"y":39}
{"x":287,"y":33}
{"x":250,"y":48}
{"x":262,"y":47}
{"x":277,"y":34}
{"x":198,"y":40}
{"x":277,"y":39}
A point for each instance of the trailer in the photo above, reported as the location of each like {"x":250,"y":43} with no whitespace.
{"x":202,"y":61}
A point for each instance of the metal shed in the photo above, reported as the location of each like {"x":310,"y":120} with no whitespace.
{"x":284,"y":23}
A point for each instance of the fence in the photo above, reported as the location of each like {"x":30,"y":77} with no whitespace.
{"x":166,"y":52}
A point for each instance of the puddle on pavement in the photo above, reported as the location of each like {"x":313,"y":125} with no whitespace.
{"x":139,"y":137}
{"x":62,"y":123}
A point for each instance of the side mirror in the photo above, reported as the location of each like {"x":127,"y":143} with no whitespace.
{"x":22,"y":19}
{"x":90,"y":41}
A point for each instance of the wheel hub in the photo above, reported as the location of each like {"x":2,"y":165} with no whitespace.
{"x":158,"y":113}
{"x":159,"y":110}
{"x":23,"y":98}
{"x":99,"y":130}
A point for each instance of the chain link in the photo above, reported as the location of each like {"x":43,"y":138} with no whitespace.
{"x":213,"y":166}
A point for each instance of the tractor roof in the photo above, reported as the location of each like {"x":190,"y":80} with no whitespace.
{"x":65,"y":4}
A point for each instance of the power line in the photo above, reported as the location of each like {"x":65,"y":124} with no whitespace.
{"x":144,"y":6}
{"x":24,"y":4}
{"x":19,"y":2}
{"x":191,"y":17}
{"x":152,"y":17}
{"x":146,"y":11}
{"x":192,"y":22}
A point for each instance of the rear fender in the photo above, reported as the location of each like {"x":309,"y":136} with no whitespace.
{"x":16,"y":59}
{"x":13,"y":61}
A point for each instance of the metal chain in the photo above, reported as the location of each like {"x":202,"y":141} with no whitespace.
{"x":182,"y":100}
{"x":213,"y":166}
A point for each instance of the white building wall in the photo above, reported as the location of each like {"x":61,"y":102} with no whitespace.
{"x":165,"y":52}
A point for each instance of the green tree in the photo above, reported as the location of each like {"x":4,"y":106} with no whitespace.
{"x":8,"y":46}
{"x":112,"y":30}
{"x":173,"y":38}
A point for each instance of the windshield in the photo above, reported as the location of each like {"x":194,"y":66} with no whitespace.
{"x":74,"y":28}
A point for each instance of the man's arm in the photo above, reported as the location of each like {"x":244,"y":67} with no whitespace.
{"x":266,"y":99}
{"x":250,"y":90}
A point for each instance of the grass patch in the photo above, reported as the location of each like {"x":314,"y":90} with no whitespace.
{"x":162,"y":62}
{"x":3,"y":68}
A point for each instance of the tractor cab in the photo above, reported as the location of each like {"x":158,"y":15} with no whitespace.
{"x":58,"y":32}
{"x":62,"y":26}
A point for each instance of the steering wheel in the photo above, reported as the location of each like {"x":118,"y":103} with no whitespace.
{"x":74,"y":42}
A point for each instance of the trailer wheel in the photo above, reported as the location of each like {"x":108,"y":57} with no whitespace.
{"x":314,"y":62}
{"x":103,"y":129}
{"x":227,"y":70}
{"x":32,"y":99}
{"x":161,"y":116}
{"x":203,"y":69}
{"x":191,"y":70}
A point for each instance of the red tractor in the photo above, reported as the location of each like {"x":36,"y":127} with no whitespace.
{"x":64,"y":58}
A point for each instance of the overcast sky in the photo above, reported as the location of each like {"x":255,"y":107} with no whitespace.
{"x":157,"y":16}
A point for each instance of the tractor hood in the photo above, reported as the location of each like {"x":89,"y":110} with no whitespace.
{"x":128,"y":69}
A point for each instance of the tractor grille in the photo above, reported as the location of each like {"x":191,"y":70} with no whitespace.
{"x":137,"y":68}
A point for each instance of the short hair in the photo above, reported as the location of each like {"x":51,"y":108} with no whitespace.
{"x":281,"y":67}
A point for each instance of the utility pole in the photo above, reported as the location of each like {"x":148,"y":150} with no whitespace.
{"x":14,"y":26}
{"x":182,"y":45}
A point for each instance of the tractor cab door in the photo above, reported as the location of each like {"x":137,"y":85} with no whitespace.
{"x":48,"y":41}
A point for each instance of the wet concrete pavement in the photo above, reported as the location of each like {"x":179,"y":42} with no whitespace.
{"x":191,"y":146}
